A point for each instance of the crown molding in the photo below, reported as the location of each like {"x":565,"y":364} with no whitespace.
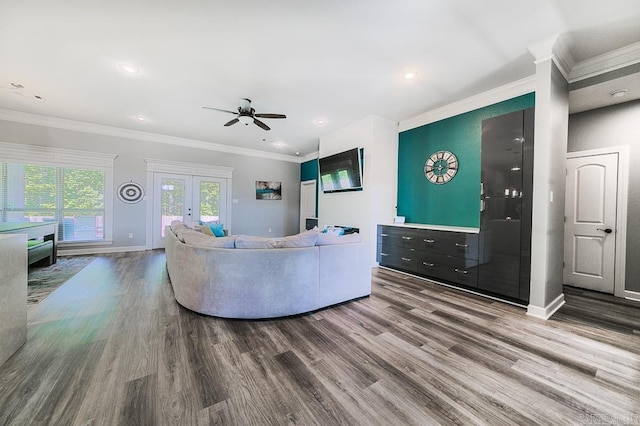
{"x":554,"y":48}
{"x":314,"y":155}
{"x":499,"y":94}
{"x":610,"y":61}
{"x":99,"y":129}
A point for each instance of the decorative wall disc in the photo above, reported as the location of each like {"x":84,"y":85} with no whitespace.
{"x":130,"y":192}
{"x":441,"y":167}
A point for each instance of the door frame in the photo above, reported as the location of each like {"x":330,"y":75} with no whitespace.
{"x":621,"y":212}
{"x":182,"y":168}
{"x":304,"y":183}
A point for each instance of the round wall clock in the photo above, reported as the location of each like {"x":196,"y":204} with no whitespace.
{"x":130,"y":192}
{"x":441,"y":167}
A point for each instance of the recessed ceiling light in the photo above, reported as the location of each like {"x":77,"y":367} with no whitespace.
{"x":410,"y":75}
{"x":140,"y":118}
{"x":128,"y":68}
{"x":320,"y":122}
{"x":278,"y":144}
{"x":618,"y":93}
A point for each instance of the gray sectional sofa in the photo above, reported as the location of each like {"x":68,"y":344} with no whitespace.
{"x":253,"y":283}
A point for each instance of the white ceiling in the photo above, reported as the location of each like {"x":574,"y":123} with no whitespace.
{"x":335,"y":60}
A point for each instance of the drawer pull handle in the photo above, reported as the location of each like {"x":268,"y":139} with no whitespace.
{"x":430,"y":265}
{"x":461,"y":271}
{"x":407,"y":238}
{"x":384,"y":254}
{"x":406,"y":259}
{"x":462,"y":245}
{"x":384,"y":235}
{"x":429,"y":241}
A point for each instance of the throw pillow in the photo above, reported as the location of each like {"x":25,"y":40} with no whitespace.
{"x":217,"y":228}
{"x":328,"y":239}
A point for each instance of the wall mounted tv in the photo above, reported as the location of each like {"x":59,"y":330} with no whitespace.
{"x":341,"y":172}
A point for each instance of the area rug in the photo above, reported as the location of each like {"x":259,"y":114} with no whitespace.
{"x":43,"y":280}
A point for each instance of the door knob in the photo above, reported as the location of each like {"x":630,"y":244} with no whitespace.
{"x":606,"y":231}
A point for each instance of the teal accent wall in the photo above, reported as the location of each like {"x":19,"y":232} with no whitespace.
{"x":456,"y":203}
{"x":309,"y":171}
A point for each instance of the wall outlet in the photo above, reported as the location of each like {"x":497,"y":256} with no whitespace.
{"x":269,"y":230}
{"x":130,"y":234}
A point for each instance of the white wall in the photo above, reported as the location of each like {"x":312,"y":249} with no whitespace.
{"x":249,"y":216}
{"x":376,"y":202}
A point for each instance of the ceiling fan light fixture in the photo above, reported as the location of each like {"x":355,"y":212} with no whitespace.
{"x":245,"y":119}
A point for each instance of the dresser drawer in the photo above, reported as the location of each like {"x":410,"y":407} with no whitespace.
{"x":398,"y":237}
{"x":398,"y":257}
{"x":449,"y":268}
{"x":449,"y":243}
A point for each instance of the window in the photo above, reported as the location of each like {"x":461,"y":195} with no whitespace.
{"x":73,"y":197}
{"x":72,"y":188}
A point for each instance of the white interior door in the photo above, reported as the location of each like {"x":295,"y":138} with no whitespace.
{"x":307,"y":201}
{"x":186,"y":198}
{"x":590,"y":224}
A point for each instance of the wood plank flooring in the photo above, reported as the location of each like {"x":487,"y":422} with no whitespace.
{"x":112,"y":347}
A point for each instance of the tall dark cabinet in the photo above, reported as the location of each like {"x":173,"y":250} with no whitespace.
{"x":506,"y":198}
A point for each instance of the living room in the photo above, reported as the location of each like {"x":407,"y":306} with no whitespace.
{"x":143,"y":145}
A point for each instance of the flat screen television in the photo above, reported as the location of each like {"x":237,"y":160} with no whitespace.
{"x":341,"y":172}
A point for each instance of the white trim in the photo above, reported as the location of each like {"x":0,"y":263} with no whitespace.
{"x":621,"y":215}
{"x":314,"y":155}
{"x":606,"y":62}
{"x":546,"y":312}
{"x":632,"y":295}
{"x":188,"y":169}
{"x":99,"y":129}
{"x":553,"y":48}
{"x":182,"y":168}
{"x":499,"y":94}
{"x":99,"y":250}
{"x":36,"y":154}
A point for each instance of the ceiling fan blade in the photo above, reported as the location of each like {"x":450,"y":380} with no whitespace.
{"x":261,"y":124}
{"x":222,"y":110}
{"x":267,"y":115}
{"x":234,"y":121}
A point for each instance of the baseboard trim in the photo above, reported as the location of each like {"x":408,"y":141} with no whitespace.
{"x":632,"y":295}
{"x":99,"y":250}
{"x":546,"y":312}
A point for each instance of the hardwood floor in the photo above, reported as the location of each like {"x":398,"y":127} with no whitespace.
{"x":112,"y":347}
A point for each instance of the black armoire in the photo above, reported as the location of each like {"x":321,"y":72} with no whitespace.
{"x":506,"y":198}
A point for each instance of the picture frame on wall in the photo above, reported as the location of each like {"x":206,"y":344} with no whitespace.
{"x":268,"y":190}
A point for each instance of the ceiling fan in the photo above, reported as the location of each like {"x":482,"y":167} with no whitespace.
{"x":246,"y":115}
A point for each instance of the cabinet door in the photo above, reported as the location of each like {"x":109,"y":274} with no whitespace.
{"x":506,"y":192}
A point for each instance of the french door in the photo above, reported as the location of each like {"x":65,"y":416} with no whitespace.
{"x":187,"y":198}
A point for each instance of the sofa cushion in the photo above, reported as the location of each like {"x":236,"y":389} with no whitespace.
{"x":304,"y":239}
{"x":328,"y":239}
{"x":199,"y":239}
{"x":251,"y":242}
